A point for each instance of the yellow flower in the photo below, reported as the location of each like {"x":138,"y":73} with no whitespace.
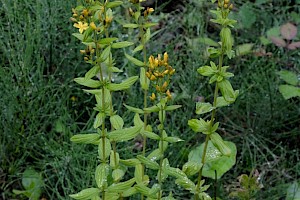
{"x":153,"y":97}
{"x":169,"y":96}
{"x":81,"y":26}
{"x":93,"y":26}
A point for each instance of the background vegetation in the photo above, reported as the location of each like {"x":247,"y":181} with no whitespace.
{"x":41,"y":107}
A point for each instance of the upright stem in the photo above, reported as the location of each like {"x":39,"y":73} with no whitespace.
{"x":212,"y":119}
{"x":162,"y":154}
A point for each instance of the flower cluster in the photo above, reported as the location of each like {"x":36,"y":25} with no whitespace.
{"x":225,"y":4}
{"x":160,"y":72}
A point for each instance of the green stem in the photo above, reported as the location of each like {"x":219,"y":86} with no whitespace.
{"x":211,"y":124}
{"x":162,"y":153}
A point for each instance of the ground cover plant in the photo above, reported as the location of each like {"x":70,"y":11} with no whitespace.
{"x":41,"y":106}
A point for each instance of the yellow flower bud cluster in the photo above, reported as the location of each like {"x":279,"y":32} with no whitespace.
{"x":225,"y":4}
{"x":88,"y":53}
{"x":148,"y":11}
{"x":160,"y":72}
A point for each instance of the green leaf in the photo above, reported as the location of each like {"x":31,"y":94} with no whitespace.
{"x":116,"y":121}
{"x":121,"y":187}
{"x":98,"y":120}
{"x":293,"y":192}
{"x":134,"y":60}
{"x":289,"y":91}
{"x":289,"y":77}
{"x":149,"y":24}
{"x":106,"y":40}
{"x":105,"y":53}
{"x":130,"y":162}
{"x":200,"y":126}
{"x":227,"y":91}
{"x":124,"y":85}
{"x":149,"y":163}
{"x":208,"y":41}
{"x":244,"y":49}
{"x":104,"y":146}
{"x":130,"y":25}
{"x":151,"y":109}
{"x":218,"y":142}
{"x":202,"y":107}
{"x":32,"y":181}
{"x":133,"y":109}
{"x":113,"y":4}
{"x":150,"y":135}
{"x":247,"y":15}
{"x":86,"y":194}
{"x":92,"y":72}
{"x":114,"y":159}
{"x":137,"y":120}
{"x":214,"y":160}
{"x":221,"y":102}
{"x":206,"y":71}
{"x":173,"y":139}
{"x":186,"y":183}
{"x":79,"y":36}
{"x":125,"y":134}
{"x":123,"y":44}
{"x":147,"y":35}
{"x":118,"y":174}
{"x":143,"y":190}
{"x":129,"y":192}
{"x":101,"y":174}
{"x":88,"y":82}
{"x":191,"y":167}
{"x":138,"y":48}
{"x":172,"y":107}
{"x":143,"y":79}
{"x":92,"y":138}
{"x":155,"y":155}
{"x":138,"y":174}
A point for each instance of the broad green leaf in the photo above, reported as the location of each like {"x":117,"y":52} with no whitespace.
{"x":247,"y":15}
{"x":114,"y":69}
{"x":88,"y":82}
{"x":214,"y":160}
{"x":163,"y":145}
{"x":191,"y":167}
{"x":121,"y":187}
{"x":125,"y":134}
{"x":227,"y":91}
{"x":175,"y":172}
{"x":133,"y":109}
{"x":123,"y":44}
{"x":101,"y":174}
{"x":289,"y":77}
{"x":86,"y":194}
{"x":112,"y":195}
{"x":172,"y":107}
{"x":92,"y":138}
{"x":116,"y":121}
{"x":154,"y":189}
{"x":206,"y":71}
{"x":149,"y":163}
{"x":114,"y":159}
{"x":118,"y":174}
{"x":104,"y":149}
{"x":107,"y":40}
{"x":105,"y":53}
{"x":289,"y":91}
{"x":122,"y":86}
{"x":221,"y":102}
{"x":147,"y":35}
{"x":293,"y":192}
{"x":130,"y":25}
{"x":143,"y":190}
{"x":202,"y":107}
{"x":143,"y":79}
{"x":138,"y":174}
{"x":130,"y":162}
{"x":98,"y":120}
{"x":134,"y":60}
{"x":218,"y":142}
{"x":173,"y":139}
{"x":113,"y":4}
